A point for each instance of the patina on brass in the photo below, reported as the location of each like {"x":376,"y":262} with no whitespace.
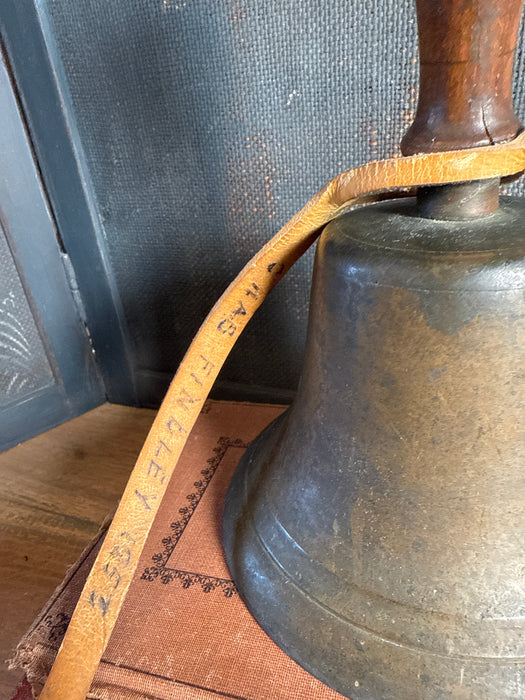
{"x":377,"y":529}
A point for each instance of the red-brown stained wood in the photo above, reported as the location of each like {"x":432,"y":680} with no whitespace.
{"x":466,"y":60}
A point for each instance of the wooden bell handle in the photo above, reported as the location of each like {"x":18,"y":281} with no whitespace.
{"x":466,"y":52}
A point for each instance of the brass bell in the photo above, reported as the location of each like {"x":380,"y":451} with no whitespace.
{"x":376,"y":530}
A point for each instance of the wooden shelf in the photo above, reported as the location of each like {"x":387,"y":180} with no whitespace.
{"x":55,"y":491}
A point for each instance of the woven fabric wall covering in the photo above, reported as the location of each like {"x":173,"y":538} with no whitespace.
{"x":205,"y":124}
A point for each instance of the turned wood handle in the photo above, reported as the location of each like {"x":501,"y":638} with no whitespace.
{"x":466,"y":52}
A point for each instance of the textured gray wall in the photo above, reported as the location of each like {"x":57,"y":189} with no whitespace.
{"x":205,"y":124}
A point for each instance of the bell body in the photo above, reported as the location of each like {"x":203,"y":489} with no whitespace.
{"x":377,"y":529}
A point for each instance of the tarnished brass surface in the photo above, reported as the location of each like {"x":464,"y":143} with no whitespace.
{"x":377,"y":530}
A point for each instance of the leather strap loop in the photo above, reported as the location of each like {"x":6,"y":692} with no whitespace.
{"x":108,"y":582}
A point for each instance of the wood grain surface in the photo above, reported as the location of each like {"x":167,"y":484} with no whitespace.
{"x":466,"y":52}
{"x":55,"y":491}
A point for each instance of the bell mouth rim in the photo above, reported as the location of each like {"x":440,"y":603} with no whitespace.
{"x":416,"y":648}
{"x":354,"y":662}
{"x":254,"y":547}
{"x":501,"y":660}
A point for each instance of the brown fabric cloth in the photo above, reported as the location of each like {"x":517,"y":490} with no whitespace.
{"x":183,"y":631}
{"x":23,"y":691}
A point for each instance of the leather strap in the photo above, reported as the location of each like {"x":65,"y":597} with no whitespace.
{"x":107,"y":584}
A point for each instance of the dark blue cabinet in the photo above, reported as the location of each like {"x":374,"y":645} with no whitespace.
{"x":47,"y":369}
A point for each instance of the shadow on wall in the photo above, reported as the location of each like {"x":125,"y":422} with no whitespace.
{"x":185,"y":198}
{"x":205,"y":126}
